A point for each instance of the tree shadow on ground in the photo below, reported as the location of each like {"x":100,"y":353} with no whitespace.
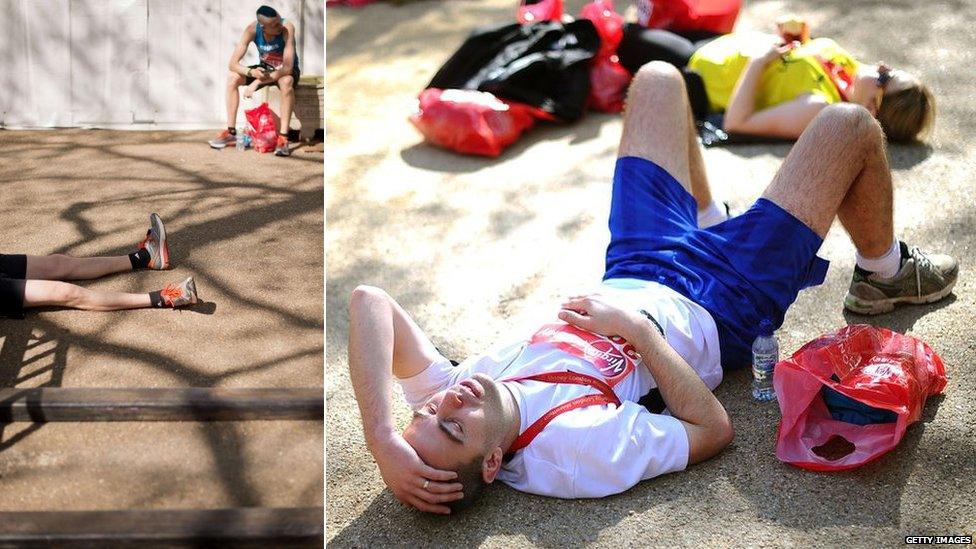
{"x":248,"y":208}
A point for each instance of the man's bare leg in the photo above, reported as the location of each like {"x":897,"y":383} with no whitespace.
{"x":656,"y":123}
{"x":659,"y":126}
{"x":234,"y":81}
{"x":63,"y":267}
{"x":839,"y":168}
{"x":50,"y":293}
{"x":53,"y":293}
{"x":287,"y":86}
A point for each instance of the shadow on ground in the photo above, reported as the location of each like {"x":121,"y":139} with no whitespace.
{"x":247,"y":227}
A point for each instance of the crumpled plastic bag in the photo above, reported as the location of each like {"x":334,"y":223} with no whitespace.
{"x":263,"y":128}
{"x":608,"y":78}
{"x":847,"y":397}
{"x":470,"y":121}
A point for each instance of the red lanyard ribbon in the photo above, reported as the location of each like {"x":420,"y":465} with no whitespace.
{"x":606,"y":396}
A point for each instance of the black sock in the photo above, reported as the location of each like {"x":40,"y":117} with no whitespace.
{"x":156,"y":298}
{"x":232,"y":131}
{"x":140,"y":259}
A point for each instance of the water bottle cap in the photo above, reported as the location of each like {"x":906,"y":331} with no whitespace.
{"x":766,"y":327}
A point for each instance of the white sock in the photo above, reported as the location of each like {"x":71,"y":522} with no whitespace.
{"x":711,"y":215}
{"x":885,"y":266}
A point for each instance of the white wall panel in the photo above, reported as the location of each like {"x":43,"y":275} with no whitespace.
{"x":131,"y":63}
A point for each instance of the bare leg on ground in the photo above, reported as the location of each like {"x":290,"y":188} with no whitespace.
{"x":63,"y":267}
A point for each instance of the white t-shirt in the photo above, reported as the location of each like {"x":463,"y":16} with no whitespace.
{"x":597,"y":450}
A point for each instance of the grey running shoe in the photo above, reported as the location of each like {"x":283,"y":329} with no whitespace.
{"x":225,"y":139}
{"x":180,"y":295}
{"x":923,"y":278}
{"x":155,"y":243}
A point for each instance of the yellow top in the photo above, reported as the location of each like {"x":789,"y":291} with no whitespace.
{"x":721,"y":61}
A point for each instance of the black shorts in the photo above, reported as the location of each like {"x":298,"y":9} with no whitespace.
{"x":248,"y":80}
{"x":13,"y":272}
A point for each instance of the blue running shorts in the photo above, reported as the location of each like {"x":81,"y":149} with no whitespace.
{"x":743,"y":270}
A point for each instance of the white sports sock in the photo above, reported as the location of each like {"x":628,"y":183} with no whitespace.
{"x":711,"y":215}
{"x":885,"y":266}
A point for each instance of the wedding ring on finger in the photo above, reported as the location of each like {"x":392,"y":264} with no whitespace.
{"x":426,"y":483}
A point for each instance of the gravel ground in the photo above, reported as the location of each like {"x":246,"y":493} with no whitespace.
{"x":248,"y":228}
{"x":477,"y":248}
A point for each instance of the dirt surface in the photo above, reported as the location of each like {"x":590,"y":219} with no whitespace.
{"x":477,"y":248}
{"x":248,"y":228}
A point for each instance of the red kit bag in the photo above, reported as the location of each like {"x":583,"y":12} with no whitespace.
{"x":608,"y":78}
{"x":685,"y":15}
{"x":470,"y":121}
{"x":533,"y":11}
{"x":863,"y":384}
{"x":264,"y":128}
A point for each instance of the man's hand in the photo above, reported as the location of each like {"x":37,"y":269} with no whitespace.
{"x":257,"y":73}
{"x":249,"y":90}
{"x":406,"y":475}
{"x":594,"y":313}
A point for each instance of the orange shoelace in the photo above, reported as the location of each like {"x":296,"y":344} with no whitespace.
{"x":171,"y":293}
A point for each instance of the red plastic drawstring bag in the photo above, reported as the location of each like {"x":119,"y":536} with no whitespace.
{"x":471,"y":122}
{"x":263,"y":128}
{"x":533,"y":11}
{"x":847,"y":397}
{"x":608,"y":78}
{"x":685,"y":15}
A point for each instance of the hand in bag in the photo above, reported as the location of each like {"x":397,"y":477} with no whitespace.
{"x":263,"y":127}
{"x":859,"y":384}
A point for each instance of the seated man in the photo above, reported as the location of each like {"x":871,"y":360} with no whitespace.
{"x":278,"y":66}
{"x":677,"y":304}
{"x":28,"y":281}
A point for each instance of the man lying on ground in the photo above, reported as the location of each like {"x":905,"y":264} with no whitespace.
{"x":278,"y":66}
{"x":28,"y":281}
{"x":678,"y":304}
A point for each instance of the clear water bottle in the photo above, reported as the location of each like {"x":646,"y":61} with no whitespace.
{"x":241,"y":142}
{"x":765,"y":355}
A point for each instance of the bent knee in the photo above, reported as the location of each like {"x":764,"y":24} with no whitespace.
{"x":234,"y":80}
{"x":362,"y":295}
{"x":286,"y":83}
{"x":657,"y":82}
{"x":657,"y":72}
{"x":851,"y":118}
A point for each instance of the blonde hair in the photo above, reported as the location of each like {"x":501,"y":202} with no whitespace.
{"x":907,"y":114}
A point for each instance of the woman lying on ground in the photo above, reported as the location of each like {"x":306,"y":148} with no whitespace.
{"x":767,"y":88}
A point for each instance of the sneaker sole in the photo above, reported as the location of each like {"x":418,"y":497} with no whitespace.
{"x":156,"y":223}
{"x":881,"y":306}
{"x":217,"y":146}
{"x":283,"y":153}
